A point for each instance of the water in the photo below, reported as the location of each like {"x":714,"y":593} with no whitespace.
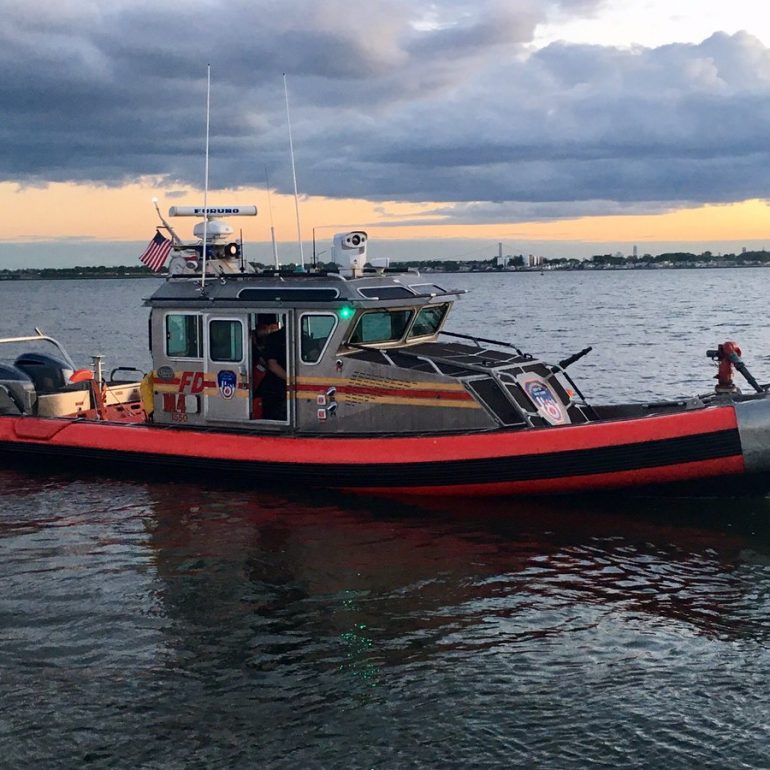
{"x":169,"y":625}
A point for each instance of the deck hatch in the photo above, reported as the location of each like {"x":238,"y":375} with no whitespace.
{"x":386,"y":292}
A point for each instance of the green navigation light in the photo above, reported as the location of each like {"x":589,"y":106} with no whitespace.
{"x":346,"y":312}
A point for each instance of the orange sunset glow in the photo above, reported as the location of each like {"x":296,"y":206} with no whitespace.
{"x":65,"y":211}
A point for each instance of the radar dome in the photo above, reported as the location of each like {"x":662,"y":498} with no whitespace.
{"x":216,"y":230}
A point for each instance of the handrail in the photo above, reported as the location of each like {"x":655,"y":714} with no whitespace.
{"x":475,"y":339}
{"x":40,"y":337}
{"x":125,"y":369}
{"x":489,"y":371}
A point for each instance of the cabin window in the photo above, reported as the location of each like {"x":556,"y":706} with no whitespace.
{"x":225,"y":341}
{"x":381,"y":326}
{"x":428,"y":320}
{"x":184,"y":334}
{"x":315,"y":332}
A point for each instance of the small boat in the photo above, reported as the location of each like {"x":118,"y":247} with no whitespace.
{"x":350,"y":380}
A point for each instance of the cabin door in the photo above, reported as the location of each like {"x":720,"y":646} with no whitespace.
{"x":226,"y":394}
{"x":271,"y":368}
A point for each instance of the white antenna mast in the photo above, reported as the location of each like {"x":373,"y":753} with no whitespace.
{"x":270,"y":209}
{"x":206,"y":175}
{"x":294,"y":175}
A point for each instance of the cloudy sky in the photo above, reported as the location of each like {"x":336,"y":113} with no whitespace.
{"x":560,"y":126}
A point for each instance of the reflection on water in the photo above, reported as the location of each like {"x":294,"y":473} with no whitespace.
{"x":170,"y":625}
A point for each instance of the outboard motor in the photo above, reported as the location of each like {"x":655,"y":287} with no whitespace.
{"x":49,"y":374}
{"x":17,"y":392}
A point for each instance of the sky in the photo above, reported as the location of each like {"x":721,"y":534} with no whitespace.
{"x":559,"y":127}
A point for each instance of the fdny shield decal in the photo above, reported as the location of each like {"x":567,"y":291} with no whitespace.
{"x":227,"y":383}
{"x":545,"y":400}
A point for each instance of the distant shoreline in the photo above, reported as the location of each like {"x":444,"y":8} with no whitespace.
{"x":463,"y":268}
{"x":73,"y":277}
{"x":603,"y":269}
{"x":75,"y":274}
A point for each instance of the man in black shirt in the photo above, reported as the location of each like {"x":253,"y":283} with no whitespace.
{"x":273,"y":387}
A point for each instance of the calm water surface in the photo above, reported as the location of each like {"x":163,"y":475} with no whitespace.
{"x":168,"y":625}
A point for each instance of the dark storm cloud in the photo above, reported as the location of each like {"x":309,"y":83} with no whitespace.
{"x":390,"y":100}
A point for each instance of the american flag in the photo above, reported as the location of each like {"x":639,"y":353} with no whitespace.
{"x":156,"y":253}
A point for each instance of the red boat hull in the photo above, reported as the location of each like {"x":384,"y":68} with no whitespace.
{"x":594,"y":457}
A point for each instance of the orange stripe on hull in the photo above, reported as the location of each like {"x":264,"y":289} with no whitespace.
{"x":188,"y":442}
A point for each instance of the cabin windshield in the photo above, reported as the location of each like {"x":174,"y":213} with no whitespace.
{"x":428,"y":320}
{"x":381,"y":326}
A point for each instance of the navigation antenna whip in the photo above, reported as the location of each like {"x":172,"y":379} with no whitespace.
{"x":294,"y":175}
{"x":206,"y":177}
{"x":272,"y":229}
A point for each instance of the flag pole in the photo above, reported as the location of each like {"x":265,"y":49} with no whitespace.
{"x":206,"y":176}
{"x":175,"y":238}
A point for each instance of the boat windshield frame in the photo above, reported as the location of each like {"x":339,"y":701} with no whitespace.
{"x":443,"y":307}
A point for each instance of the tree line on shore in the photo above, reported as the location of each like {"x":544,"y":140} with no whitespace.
{"x":598,"y":261}
{"x":685,"y":258}
{"x":518,"y":262}
{"x":90,"y":271}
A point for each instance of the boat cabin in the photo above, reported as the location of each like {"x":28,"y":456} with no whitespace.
{"x":354,"y":352}
{"x":324,"y":353}
{"x":220,"y":354}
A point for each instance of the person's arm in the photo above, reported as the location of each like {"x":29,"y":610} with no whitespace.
{"x":276,"y":368}
{"x":275,"y":351}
